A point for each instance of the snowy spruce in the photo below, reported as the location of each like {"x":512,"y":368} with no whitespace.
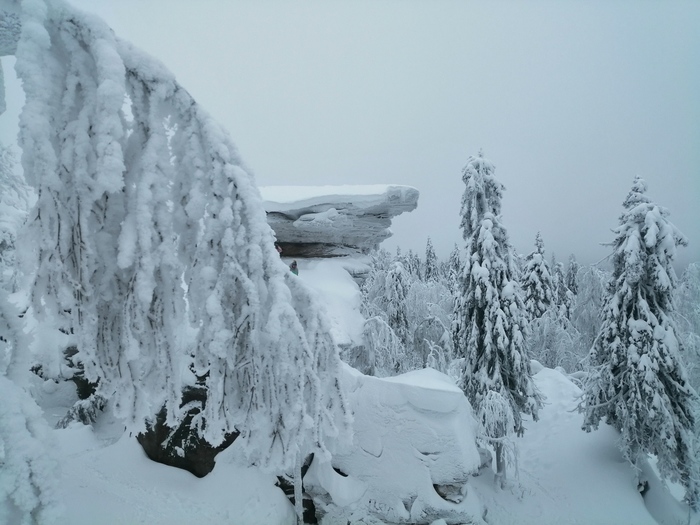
{"x":490,"y":318}
{"x":638,"y":383}
{"x":537,"y":282}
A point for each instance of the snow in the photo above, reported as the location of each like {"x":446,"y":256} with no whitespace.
{"x":330,"y":279}
{"x":573,"y":477}
{"x":414,"y":455}
{"x":281,"y":198}
{"x":114,"y":483}
{"x":411,"y":431}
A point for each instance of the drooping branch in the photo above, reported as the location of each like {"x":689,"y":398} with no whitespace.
{"x":139,"y":187}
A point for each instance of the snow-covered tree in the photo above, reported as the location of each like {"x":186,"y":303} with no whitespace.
{"x":28,"y":471}
{"x":411,"y":263}
{"x":451,"y":269}
{"x":687,"y":317}
{"x":429,"y":312}
{"x":588,"y":305}
{"x":563,"y":298}
{"x":28,"y":491}
{"x":553,"y":340}
{"x":384,"y":353}
{"x":394,"y":300}
{"x":137,"y":187}
{"x":14,"y":202}
{"x":453,"y":263}
{"x":537,"y":281}
{"x":430,"y":272}
{"x":407,"y":321}
{"x":638,"y":383}
{"x":572,"y":274}
{"x":490,"y":321}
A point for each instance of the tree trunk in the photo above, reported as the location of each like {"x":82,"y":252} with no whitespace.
{"x":500,"y":466}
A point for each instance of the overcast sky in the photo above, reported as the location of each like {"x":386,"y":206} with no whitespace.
{"x":569,"y":99}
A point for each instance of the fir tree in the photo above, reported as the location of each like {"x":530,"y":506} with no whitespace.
{"x":563,"y":297}
{"x":411,"y":264}
{"x":394,"y":301}
{"x":572,"y":274}
{"x":638,"y":383}
{"x":490,"y":321}
{"x":452,"y":269}
{"x":431,"y":264}
{"x":688,"y":320}
{"x":537,"y":281}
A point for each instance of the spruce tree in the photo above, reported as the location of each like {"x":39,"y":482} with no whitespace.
{"x":431,"y":263}
{"x":452,"y":268}
{"x":537,"y":281}
{"x":490,"y":321}
{"x":394,"y":300}
{"x":638,"y":383}
{"x":562,"y":296}
{"x":411,"y":264}
{"x":571,"y":274}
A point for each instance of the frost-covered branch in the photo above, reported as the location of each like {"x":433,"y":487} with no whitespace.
{"x":138,"y":186}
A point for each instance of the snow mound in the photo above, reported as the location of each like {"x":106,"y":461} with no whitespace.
{"x":413,"y":454}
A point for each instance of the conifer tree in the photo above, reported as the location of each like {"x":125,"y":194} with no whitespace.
{"x":537,"y":281}
{"x":394,"y":301}
{"x":638,"y":383}
{"x":431,"y":264}
{"x":571,"y":274}
{"x":411,"y":264}
{"x":490,"y":321}
{"x":452,"y":268}
{"x":563,"y":297}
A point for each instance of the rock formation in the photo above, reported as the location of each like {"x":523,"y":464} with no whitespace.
{"x":333,"y":221}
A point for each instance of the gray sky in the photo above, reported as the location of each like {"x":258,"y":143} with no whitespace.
{"x":569,"y":99}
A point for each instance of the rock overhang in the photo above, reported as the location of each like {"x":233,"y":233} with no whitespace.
{"x":334,"y":221}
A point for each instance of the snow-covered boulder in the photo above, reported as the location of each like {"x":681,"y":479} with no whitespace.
{"x":332,"y":221}
{"x":412,"y":456}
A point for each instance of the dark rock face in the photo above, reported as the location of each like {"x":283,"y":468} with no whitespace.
{"x":84,"y":388}
{"x":287,"y":486}
{"x":334,"y":221}
{"x":180,"y":447}
{"x":302,"y":250}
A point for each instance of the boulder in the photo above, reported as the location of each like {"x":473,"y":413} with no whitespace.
{"x":180,"y":447}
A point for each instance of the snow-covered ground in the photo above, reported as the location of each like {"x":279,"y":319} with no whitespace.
{"x":566,"y":476}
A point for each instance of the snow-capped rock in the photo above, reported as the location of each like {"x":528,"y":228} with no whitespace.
{"x":332,"y":221}
{"x":412,"y":457}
